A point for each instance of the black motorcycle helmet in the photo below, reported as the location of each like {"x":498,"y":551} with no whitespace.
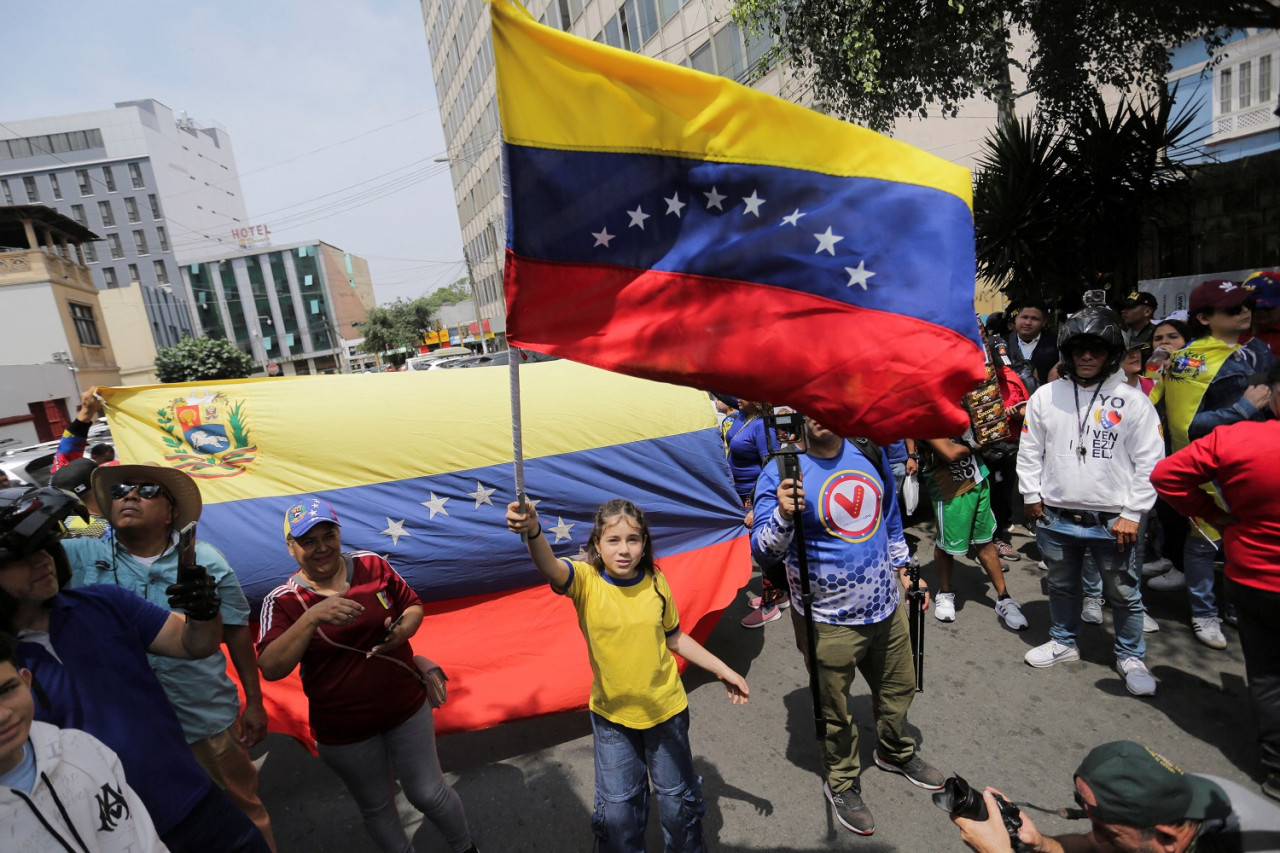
{"x":1097,"y":322}
{"x":31,"y":519}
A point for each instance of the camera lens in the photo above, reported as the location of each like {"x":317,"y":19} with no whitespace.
{"x":958,"y":799}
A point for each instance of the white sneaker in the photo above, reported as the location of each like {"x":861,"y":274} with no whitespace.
{"x":1149,"y":625}
{"x":1091,"y":612}
{"x":1011,"y":612}
{"x":1167,"y":582}
{"x":1137,"y":680}
{"x":1151,"y":568}
{"x":1209,"y":631}
{"x":1042,"y":566}
{"x":1050,"y":653}
{"x":944,"y":607}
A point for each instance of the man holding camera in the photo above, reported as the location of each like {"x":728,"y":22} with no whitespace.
{"x":146,"y":506}
{"x":1137,"y":801}
{"x":856,"y":559}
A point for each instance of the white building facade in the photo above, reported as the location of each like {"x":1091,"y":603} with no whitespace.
{"x":160,"y":188}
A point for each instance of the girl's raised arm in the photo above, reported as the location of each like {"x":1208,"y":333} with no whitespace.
{"x":524,"y":520}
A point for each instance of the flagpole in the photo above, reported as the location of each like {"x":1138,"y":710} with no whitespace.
{"x":517,"y":440}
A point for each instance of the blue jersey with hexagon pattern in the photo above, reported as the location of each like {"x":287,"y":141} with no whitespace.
{"x":849,"y":520}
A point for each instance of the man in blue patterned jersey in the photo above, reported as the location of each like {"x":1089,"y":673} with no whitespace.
{"x":856,"y":557}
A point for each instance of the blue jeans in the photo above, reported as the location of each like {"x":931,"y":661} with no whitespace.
{"x":1092,"y":578}
{"x":1064,"y":543}
{"x":1197,"y":564}
{"x":627,"y":760}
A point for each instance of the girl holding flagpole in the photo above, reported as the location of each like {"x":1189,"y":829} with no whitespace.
{"x":639,"y":709}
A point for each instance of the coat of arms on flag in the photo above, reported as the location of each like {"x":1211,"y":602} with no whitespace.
{"x":207,"y":435}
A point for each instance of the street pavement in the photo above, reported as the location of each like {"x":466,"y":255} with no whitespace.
{"x":985,"y":714}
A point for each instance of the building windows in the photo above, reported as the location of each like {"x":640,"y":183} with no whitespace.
{"x":8,"y":193}
{"x":109,"y":276}
{"x":135,"y":175}
{"x":86,"y":326}
{"x":155,"y":206}
{"x":57,"y":190}
{"x":86,"y":185}
{"x":162,"y":272}
{"x":117,"y":251}
{"x":77,"y":213}
{"x":140,"y":242}
{"x":1243,"y":88}
{"x":90,"y":253}
{"x":133,"y":273}
{"x":108,"y":216}
{"x":109,"y":178}
{"x":163,"y":235}
{"x":131,"y":209}
{"x":33,"y":194}
{"x":53,"y":143}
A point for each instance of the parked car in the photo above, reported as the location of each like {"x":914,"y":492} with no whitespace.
{"x":436,"y":358}
{"x":30,"y":465}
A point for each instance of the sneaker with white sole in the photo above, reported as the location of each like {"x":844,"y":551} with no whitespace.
{"x":919,"y":772}
{"x":755,"y":601}
{"x":944,"y":607}
{"x":1011,"y":612}
{"x":1050,"y":653}
{"x":1091,"y":612}
{"x":850,"y":810}
{"x":1006,"y":552}
{"x":759,"y":618}
{"x":1042,"y":566}
{"x":1168,"y":582}
{"x":1149,"y":625}
{"x":1137,"y":680}
{"x":1209,"y":631}
{"x":1151,"y":568}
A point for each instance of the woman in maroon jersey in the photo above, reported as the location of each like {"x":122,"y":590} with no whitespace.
{"x":347,"y":618}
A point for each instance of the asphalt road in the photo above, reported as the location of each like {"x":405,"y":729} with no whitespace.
{"x":528,"y":786}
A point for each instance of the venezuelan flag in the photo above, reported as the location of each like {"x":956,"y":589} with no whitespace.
{"x":678,"y":226}
{"x":418,"y":467}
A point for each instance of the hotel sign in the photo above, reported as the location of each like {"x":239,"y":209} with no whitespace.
{"x":252,"y":236}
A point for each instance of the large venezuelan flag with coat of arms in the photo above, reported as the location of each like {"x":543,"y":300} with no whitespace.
{"x":418,"y":467}
{"x":679,"y":226}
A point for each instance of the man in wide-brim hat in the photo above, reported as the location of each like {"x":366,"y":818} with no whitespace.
{"x":148,"y":505}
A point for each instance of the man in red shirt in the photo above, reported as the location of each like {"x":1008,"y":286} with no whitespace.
{"x":1240,"y":460}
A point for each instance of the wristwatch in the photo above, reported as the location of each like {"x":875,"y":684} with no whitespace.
{"x":915,"y":456}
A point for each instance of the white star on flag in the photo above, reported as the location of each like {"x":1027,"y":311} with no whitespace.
{"x":714,"y":198}
{"x":1227,"y":286}
{"x":674,"y":204}
{"x":395,"y":529}
{"x":638,"y":216}
{"x":481,"y":494}
{"x":793,"y":218}
{"x":602,"y":237}
{"x":859,"y":274}
{"x":827,"y":241}
{"x":753,"y":203}
{"x":436,"y":505}
{"x":562,"y":528}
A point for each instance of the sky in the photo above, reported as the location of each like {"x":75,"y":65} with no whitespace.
{"x":330,"y":106}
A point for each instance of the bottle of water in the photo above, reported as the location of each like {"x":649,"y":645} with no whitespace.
{"x":1158,"y":361}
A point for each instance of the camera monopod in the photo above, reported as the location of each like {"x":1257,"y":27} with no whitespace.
{"x":786,"y":439}
{"x":915,"y":620}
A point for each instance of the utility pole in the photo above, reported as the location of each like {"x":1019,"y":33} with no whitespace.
{"x":475,"y":301}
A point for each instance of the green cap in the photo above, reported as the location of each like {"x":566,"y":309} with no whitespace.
{"x":1137,"y":787}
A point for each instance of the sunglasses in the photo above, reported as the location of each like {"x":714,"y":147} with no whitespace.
{"x":1098,"y":349}
{"x":149,"y":491}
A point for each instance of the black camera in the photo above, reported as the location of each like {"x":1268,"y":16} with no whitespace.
{"x":958,"y":799}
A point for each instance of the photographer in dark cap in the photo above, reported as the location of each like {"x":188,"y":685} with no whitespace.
{"x":1137,"y":801}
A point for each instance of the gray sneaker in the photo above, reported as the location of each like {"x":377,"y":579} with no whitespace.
{"x":919,"y":772}
{"x":1149,"y":625}
{"x":1091,"y":612}
{"x":852,"y":813}
{"x":1137,"y":680}
{"x":1209,"y":631}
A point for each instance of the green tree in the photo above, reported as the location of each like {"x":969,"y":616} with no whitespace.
{"x":1058,"y":212}
{"x":873,"y":61}
{"x":459,"y":291}
{"x":399,"y":324}
{"x":202,"y":360}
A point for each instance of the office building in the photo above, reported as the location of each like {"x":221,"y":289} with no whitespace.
{"x":160,"y":189}
{"x":294,"y":308}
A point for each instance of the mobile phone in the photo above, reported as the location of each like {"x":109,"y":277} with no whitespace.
{"x":387,"y":636}
{"x":188,"y":568}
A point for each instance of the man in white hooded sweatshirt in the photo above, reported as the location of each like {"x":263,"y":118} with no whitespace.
{"x":1089,"y":443}
{"x":61,"y":789}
